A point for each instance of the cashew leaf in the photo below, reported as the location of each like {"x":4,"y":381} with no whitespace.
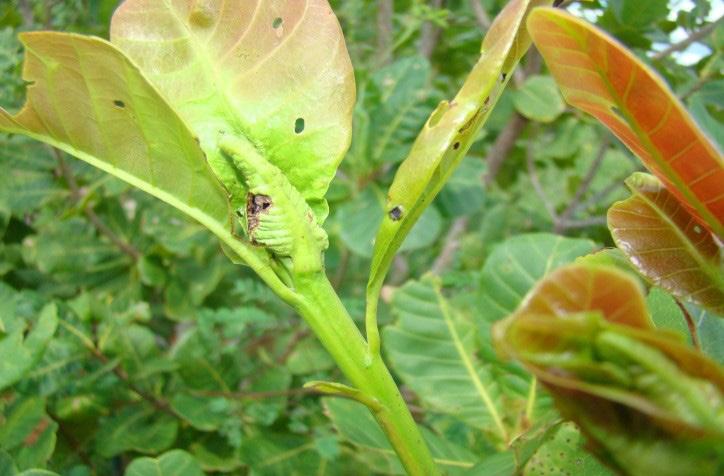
{"x":600,"y":76}
{"x":448,"y":134}
{"x":274,"y":73}
{"x":667,"y":244}
{"x":649,"y":402}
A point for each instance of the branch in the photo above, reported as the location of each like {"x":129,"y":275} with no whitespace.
{"x":452,"y":243}
{"x":385,"y":10}
{"x":77,"y":195}
{"x":502,"y":146}
{"x":430,"y":34}
{"x":692,"y":38}
{"x":533,"y":173}
{"x":481,"y":15}
{"x":584,"y":186}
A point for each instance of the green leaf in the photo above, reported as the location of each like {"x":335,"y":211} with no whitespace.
{"x":28,"y":433}
{"x":390,"y":113}
{"x":433,"y":349}
{"x":136,"y":428}
{"x":539,"y":99}
{"x":448,"y":135}
{"x":518,"y":263}
{"x":203,"y":413}
{"x":639,"y":13}
{"x":172,"y":463}
{"x":667,"y":244}
{"x":281,"y":455}
{"x":19,"y":353}
{"x":666,"y":313}
{"x":359,"y":220}
{"x":563,"y":454}
{"x":356,"y":424}
{"x":277,"y":74}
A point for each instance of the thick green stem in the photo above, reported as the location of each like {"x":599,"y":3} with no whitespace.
{"x":326,"y":315}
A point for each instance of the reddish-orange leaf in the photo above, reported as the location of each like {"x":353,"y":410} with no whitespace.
{"x":581,"y":288}
{"x":600,"y":76}
{"x":666,"y":244}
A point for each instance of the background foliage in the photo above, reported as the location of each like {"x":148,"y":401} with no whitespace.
{"x":130,"y":344}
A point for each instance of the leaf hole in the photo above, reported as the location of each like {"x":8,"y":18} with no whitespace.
{"x":277,"y":22}
{"x":119,"y":103}
{"x":456,"y":146}
{"x":503,"y":76}
{"x":396,"y":213}
{"x":299,"y":125}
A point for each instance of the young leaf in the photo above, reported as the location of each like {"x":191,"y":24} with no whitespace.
{"x":87,"y":99}
{"x":667,"y":244}
{"x":448,"y":135}
{"x":585,"y":333}
{"x":601,"y":77}
{"x":276,"y":73}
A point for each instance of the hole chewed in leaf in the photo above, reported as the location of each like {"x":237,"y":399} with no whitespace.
{"x":396,"y":213}
{"x":299,"y":125}
{"x":119,"y":103}
{"x":456,"y":146}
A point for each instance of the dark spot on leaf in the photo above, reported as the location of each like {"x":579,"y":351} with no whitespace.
{"x":396,"y":213}
{"x":487,"y":101}
{"x":456,"y":145}
{"x":119,"y":103}
{"x":618,"y":112}
{"x":503,"y":76}
{"x":255,"y":206}
{"x":239,"y":213}
{"x":299,"y":125}
{"x":277,"y":22}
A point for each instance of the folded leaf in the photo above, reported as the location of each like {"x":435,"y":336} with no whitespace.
{"x":275,"y":73}
{"x":598,"y":75}
{"x":667,"y":244}
{"x":585,"y":333}
{"x":448,"y":135}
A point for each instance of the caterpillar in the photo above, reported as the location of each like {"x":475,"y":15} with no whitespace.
{"x":275,"y":214}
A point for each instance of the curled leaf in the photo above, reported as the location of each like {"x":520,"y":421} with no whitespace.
{"x":585,"y":333}
{"x":448,"y":134}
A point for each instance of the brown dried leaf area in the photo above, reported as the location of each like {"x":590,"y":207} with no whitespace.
{"x":256,"y":205}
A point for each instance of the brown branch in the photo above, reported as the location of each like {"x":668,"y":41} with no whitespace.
{"x":77,"y":196}
{"x":535,"y":181}
{"x":692,"y":38}
{"x":502,"y":146}
{"x":255,"y":395}
{"x":690,"y":324}
{"x":292,"y":344}
{"x":481,"y":16}
{"x":584,"y":186}
{"x":385,"y":11}
{"x":430,"y":34}
{"x":452,"y":243}
{"x":585,"y":223}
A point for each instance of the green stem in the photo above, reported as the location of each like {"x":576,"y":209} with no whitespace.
{"x":330,"y":321}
